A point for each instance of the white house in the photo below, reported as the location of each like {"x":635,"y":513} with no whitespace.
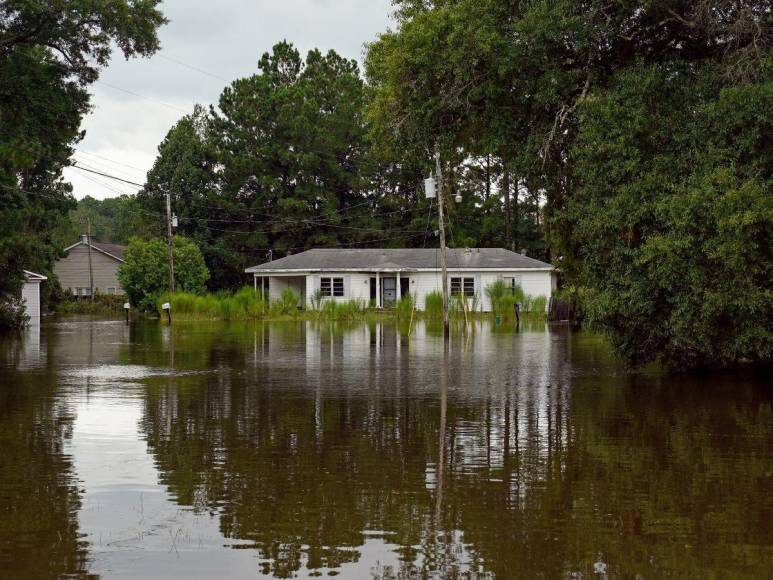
{"x":30,"y":293}
{"x":382,"y":276}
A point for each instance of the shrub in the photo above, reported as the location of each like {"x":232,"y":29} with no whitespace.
{"x":12,"y":313}
{"x":144,"y":276}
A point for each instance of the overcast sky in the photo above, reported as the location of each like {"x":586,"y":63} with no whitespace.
{"x":224,"y":38}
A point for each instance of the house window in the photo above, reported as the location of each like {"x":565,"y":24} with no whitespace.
{"x":111,"y":290}
{"x":332,"y":287}
{"x":464,"y":286}
{"x":512,"y":282}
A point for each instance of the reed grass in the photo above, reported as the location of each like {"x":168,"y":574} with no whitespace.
{"x":433,"y":306}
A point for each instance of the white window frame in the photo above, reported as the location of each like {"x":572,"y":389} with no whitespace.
{"x":332,"y":286}
{"x":511,"y":282}
{"x":465,"y":284}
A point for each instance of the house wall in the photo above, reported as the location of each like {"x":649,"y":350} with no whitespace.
{"x":357,"y":285}
{"x":73,"y":270}
{"x":30,"y":293}
{"x":538,"y":283}
{"x":278,"y":284}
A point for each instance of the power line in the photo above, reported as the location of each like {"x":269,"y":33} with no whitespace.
{"x":197,"y":69}
{"x":83,"y":151}
{"x":74,"y":166}
{"x":151,"y":99}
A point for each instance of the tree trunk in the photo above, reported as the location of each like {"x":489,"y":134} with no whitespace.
{"x":506,"y":199}
{"x":488,"y":177}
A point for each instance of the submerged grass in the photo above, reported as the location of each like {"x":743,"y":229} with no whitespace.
{"x":249,"y":304}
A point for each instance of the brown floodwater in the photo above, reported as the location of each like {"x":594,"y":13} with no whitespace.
{"x":301,"y":449}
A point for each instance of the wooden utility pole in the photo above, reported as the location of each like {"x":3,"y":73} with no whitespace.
{"x":442,"y":228}
{"x":91,"y":267}
{"x":170,"y":241}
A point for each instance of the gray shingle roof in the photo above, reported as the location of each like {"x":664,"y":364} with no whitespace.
{"x":392,"y":259}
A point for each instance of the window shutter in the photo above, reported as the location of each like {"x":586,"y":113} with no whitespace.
{"x":347,"y":286}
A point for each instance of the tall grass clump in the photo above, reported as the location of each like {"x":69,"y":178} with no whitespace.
{"x":433,"y":305}
{"x":287,"y":303}
{"x":245,"y":304}
{"x":539,"y":306}
{"x":404,"y":307}
{"x":349,"y":310}
{"x":504,"y":298}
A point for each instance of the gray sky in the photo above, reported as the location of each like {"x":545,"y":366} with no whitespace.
{"x":225,"y":38}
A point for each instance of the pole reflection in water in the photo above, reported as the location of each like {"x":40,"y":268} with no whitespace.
{"x":305,"y":449}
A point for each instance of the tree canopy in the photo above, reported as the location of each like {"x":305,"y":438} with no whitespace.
{"x":644,"y":126}
{"x":144,"y":275}
{"x":49,"y":53}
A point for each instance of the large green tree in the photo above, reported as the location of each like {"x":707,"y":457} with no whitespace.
{"x":615,"y":166}
{"x":49,"y":53}
{"x":280,"y":164}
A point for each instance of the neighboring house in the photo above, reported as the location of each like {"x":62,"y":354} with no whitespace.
{"x":30,"y":293}
{"x":380,"y":277}
{"x":73,"y":269}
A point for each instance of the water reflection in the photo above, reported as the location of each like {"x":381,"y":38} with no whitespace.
{"x":307,"y":449}
{"x":39,"y":499}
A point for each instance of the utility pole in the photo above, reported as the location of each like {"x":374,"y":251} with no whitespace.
{"x":442,"y":228}
{"x":91,"y":268}
{"x":170,"y":241}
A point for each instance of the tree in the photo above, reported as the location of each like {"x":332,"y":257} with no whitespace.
{"x":49,"y":53}
{"x":538,"y":85}
{"x":145,"y":275}
{"x":278,"y":165}
{"x":673,"y":218}
{"x":113,"y":220}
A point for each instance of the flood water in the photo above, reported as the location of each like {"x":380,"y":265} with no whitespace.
{"x":306,"y":450}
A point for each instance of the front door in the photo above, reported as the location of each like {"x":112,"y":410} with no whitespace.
{"x":389,"y":291}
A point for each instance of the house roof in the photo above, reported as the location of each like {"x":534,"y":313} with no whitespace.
{"x":33,"y":277}
{"x":401,"y":259}
{"x":113,"y":250}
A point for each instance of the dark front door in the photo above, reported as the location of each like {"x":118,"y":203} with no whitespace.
{"x":389,"y":290}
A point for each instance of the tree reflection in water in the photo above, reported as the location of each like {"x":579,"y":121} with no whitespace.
{"x":542,"y":458}
{"x":39,"y":497}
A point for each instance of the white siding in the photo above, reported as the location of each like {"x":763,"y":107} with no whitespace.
{"x":533,"y":283}
{"x":278,"y":284}
{"x":30,"y":293}
{"x":357,"y":284}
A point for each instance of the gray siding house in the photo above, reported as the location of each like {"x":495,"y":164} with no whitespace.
{"x":73,"y":269}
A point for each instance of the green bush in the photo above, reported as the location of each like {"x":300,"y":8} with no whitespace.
{"x":12,"y":313}
{"x":145,"y":275}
